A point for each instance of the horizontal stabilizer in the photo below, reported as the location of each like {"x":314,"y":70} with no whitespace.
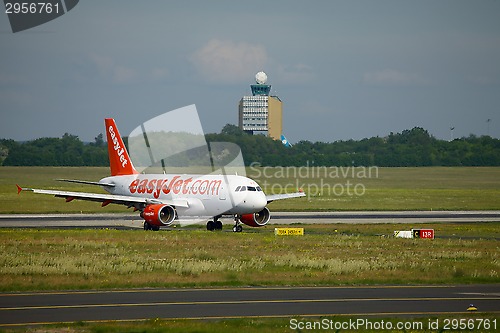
{"x":19,"y":189}
{"x":85,"y":182}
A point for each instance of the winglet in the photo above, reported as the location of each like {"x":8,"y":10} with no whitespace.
{"x":19,"y":189}
{"x":119,"y":160}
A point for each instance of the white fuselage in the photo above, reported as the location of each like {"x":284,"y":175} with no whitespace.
{"x":205,"y":195}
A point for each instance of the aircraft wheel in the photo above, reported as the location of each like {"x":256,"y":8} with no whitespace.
{"x":239,"y":228}
{"x":210,"y":225}
{"x":218,"y":225}
{"x":147,"y":226}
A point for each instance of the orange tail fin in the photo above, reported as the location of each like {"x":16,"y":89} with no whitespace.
{"x":119,"y":160}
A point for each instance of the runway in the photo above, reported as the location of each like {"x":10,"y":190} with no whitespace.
{"x":134,"y":221}
{"x":115,"y":305}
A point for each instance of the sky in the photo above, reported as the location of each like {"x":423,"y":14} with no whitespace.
{"x":343,"y":69}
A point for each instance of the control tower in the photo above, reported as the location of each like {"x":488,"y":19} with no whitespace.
{"x":261,"y":113}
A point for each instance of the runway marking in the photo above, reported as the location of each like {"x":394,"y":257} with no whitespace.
{"x":84,"y":292}
{"x":377,"y":314}
{"x":481,"y":294}
{"x":117,"y":305}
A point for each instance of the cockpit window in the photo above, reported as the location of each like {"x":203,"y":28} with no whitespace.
{"x":248,"y":188}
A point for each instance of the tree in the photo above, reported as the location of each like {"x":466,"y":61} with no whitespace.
{"x":98,"y":141}
{"x":415,"y":147}
{"x":230,"y":129}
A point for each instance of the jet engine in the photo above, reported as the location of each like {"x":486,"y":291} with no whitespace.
{"x":258,"y":219}
{"x":159,"y":215}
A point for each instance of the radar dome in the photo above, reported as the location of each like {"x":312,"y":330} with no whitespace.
{"x":261,"y":78}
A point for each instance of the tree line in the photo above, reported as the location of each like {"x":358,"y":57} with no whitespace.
{"x":415,"y":147}
{"x":68,"y":150}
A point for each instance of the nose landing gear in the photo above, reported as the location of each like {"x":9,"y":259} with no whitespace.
{"x":237,"y":224}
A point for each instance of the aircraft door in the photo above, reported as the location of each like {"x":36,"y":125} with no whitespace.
{"x":222,"y":193}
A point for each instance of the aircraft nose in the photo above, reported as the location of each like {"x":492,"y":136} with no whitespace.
{"x":253,"y":201}
{"x":260,"y":200}
{"x":249,"y":203}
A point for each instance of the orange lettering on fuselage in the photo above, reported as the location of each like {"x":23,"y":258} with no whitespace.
{"x":142,"y":186}
{"x":176,"y":186}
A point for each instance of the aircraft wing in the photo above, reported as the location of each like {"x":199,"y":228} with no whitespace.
{"x":106,"y":199}
{"x":274,"y":197}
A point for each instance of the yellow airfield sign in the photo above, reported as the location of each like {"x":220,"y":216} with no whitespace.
{"x":289,"y":231}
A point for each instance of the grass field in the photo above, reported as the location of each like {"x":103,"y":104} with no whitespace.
{"x":262,"y":325}
{"x":344,"y":189}
{"x":191,"y":257}
{"x":435,"y":188}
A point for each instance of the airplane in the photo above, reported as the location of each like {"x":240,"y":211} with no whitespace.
{"x":164,"y":198}
{"x":285,"y":141}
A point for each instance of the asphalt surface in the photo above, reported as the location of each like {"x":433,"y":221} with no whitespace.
{"x":134,"y":221}
{"x":115,"y":305}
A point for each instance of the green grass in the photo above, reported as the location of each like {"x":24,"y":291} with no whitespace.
{"x":45,"y":177}
{"x":436,"y":188}
{"x":264,"y":325}
{"x":89,"y":259}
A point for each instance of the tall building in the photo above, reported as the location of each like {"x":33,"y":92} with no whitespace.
{"x":261,"y":112}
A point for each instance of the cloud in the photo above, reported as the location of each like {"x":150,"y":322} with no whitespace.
{"x":314,"y":107}
{"x":17,"y":98}
{"x":13,"y":91}
{"x":226,"y":61}
{"x":159,"y":74}
{"x":391,"y":77}
{"x":298,"y":73}
{"x":108,"y":69}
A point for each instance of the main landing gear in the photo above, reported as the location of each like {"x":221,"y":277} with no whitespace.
{"x":148,"y":226}
{"x":215,"y":224}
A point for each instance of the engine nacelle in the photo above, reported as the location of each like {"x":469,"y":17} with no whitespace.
{"x":159,"y":215}
{"x":259,"y":219}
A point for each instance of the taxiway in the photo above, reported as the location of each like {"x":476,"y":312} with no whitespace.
{"x":142,"y":304}
{"x":134,"y":221}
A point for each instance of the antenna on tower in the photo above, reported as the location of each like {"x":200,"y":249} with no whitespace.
{"x":451,"y":132}
{"x":488,"y":121}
